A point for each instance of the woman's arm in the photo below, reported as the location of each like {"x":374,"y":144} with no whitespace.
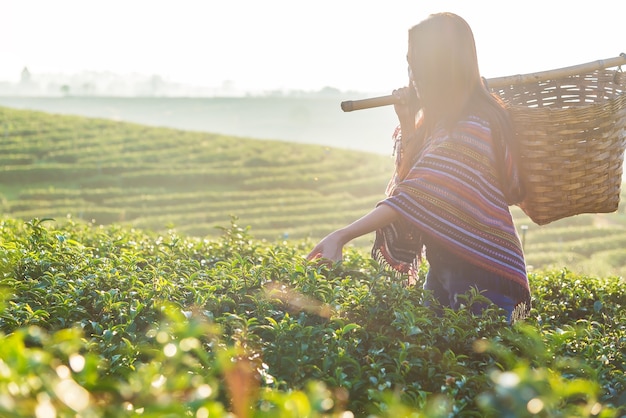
{"x":331,"y":247}
{"x":406,"y":106}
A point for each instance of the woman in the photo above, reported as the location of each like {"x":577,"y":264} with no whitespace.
{"x":455,"y":178}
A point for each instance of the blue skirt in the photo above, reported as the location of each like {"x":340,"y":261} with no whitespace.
{"x":450,"y":276}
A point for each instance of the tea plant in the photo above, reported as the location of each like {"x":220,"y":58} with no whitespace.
{"x":113,"y":321}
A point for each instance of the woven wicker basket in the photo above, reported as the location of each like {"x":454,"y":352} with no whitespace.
{"x":573,"y":135}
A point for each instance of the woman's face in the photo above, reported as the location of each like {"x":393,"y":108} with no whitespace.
{"x":413,"y":82}
{"x":411,"y":79}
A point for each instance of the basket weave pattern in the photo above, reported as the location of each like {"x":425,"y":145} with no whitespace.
{"x":572,"y":133}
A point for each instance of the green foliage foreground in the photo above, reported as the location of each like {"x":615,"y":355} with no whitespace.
{"x":111,"y":321}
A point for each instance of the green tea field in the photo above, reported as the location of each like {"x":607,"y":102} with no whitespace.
{"x":152,"y":272}
{"x":117,"y":322}
{"x":103,"y":172}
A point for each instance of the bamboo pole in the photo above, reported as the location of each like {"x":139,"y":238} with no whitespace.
{"x":497,"y":82}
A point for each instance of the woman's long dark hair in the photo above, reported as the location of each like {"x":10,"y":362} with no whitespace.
{"x":444,"y":66}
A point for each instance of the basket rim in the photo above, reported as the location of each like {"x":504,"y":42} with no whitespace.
{"x":529,"y":78}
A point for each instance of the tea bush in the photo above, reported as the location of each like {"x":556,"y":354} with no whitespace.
{"x":113,"y":321}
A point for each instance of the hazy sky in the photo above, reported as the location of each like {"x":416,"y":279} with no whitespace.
{"x":293,"y":44}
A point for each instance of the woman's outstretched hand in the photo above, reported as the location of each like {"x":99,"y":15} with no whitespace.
{"x":329,"y":248}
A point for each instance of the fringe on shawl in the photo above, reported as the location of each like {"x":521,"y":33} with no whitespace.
{"x":521,"y":311}
{"x":399,"y":248}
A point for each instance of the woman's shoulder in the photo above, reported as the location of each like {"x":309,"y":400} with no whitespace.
{"x":470,"y":125}
{"x":473,"y":122}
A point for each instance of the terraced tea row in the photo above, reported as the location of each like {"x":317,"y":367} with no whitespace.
{"x":55,"y":166}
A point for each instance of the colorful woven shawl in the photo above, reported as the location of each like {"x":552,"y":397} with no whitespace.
{"x":453,"y":196}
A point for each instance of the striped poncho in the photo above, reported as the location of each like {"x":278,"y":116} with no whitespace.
{"x":453,"y":196}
